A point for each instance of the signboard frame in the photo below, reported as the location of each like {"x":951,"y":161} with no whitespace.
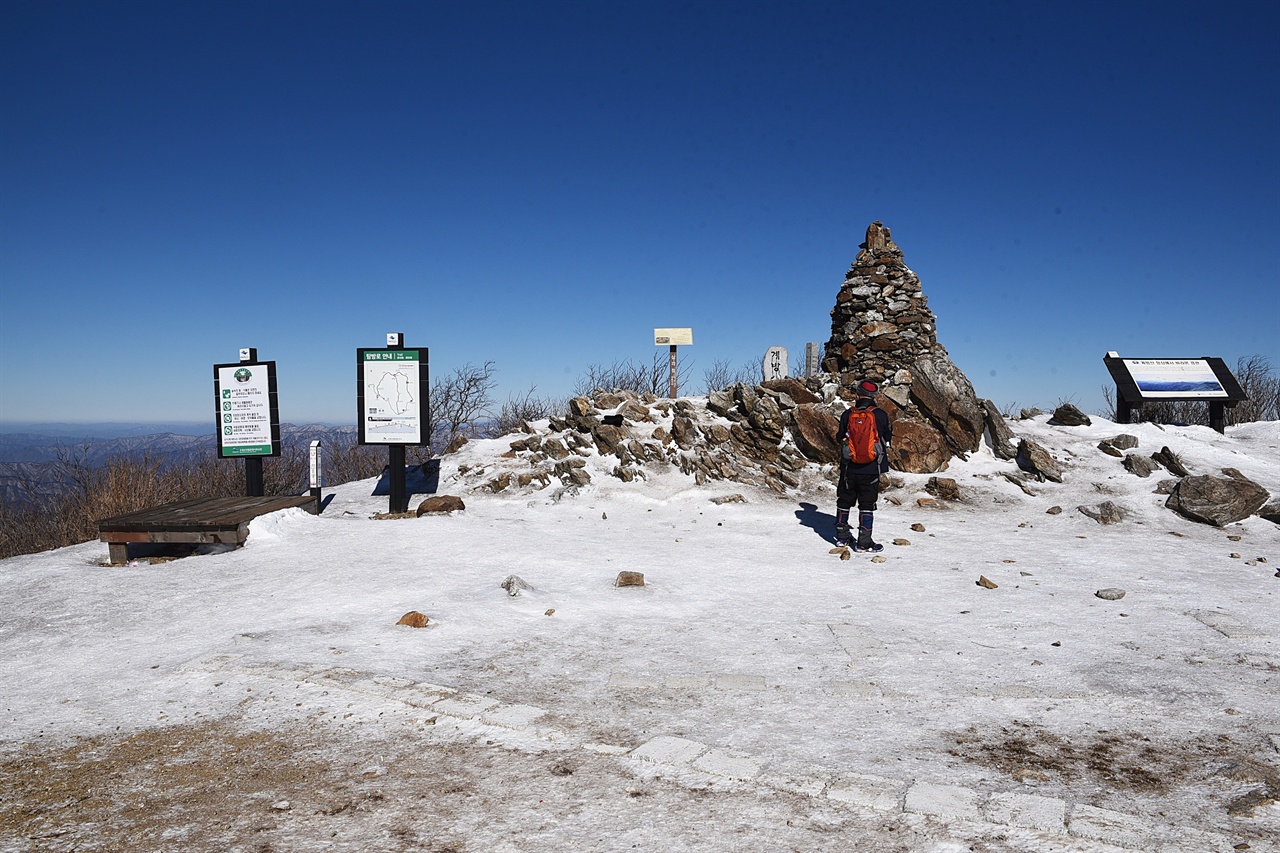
{"x":420,"y":357}
{"x":1138,"y":381}
{"x":223,"y":407}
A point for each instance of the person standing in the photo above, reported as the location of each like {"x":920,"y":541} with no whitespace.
{"x":864,"y":437}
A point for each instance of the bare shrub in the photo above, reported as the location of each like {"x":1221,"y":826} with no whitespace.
{"x":460,"y":402}
{"x":722,"y":375}
{"x":519,"y":408}
{"x":653,"y":378}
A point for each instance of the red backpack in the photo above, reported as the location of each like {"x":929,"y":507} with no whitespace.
{"x":862,"y":437}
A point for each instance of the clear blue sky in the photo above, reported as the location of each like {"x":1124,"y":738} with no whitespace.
{"x":541,"y":184}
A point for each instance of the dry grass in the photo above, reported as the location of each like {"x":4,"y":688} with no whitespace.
{"x":88,"y":494}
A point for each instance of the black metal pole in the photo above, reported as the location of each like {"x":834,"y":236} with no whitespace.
{"x":395,"y":469}
{"x":253,"y":486}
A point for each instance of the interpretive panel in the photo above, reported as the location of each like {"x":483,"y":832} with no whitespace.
{"x":1181,"y":378}
{"x":248,"y":415}
{"x":391,"y":395}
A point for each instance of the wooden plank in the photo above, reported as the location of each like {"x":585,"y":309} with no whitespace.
{"x":203,"y":514}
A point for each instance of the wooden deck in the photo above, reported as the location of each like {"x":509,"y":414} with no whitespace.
{"x":199,"y":521}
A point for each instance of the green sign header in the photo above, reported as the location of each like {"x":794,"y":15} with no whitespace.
{"x":391,"y":355}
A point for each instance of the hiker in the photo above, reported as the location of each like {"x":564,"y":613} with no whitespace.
{"x":864,"y":437}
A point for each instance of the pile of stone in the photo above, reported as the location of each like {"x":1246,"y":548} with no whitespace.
{"x":742,"y":434}
{"x":882,"y":329}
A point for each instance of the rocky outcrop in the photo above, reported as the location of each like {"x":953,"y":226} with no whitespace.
{"x":1217,"y":500}
{"x":882,"y":329}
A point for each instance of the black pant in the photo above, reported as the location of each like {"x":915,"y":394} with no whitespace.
{"x":862,"y":489}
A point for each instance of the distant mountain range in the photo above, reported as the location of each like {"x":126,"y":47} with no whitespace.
{"x":30,"y":452}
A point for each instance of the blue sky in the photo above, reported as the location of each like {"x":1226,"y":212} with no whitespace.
{"x":542,"y":184}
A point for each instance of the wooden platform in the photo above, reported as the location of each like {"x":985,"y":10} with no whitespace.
{"x":200,"y":521}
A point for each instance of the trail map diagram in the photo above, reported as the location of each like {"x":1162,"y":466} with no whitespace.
{"x":395,"y":392}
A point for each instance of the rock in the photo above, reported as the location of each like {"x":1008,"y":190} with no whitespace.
{"x":1028,"y":414}
{"x":1110,"y":449}
{"x":793,"y":388}
{"x":1271,"y":512}
{"x":513,"y":584}
{"x":607,"y":438}
{"x":550,"y":612}
{"x":999,"y":436}
{"x":946,"y":398}
{"x":1142,"y":466}
{"x":986,"y":582}
{"x":555,"y":448}
{"x":455,"y":445}
{"x":813,"y":429}
{"x":1171,"y":461}
{"x":902,"y":542}
{"x":845,"y":554}
{"x":879,"y":558}
{"x":1124,"y":441}
{"x":1217,"y":500}
{"x":1054,"y":510}
{"x":1104,"y":513}
{"x":918,"y":448}
{"x":1020,"y":480}
{"x":944,"y":488}
{"x":413,"y":619}
{"x":282,"y":806}
{"x":629,"y":579}
{"x":928,"y":503}
{"x":918,"y":527}
{"x":1166,"y":487}
{"x":1068,"y":415}
{"x":1110,"y":594}
{"x":1035,"y":460}
{"x":728,"y":499}
{"x":683,"y":431}
{"x":439,"y":504}
{"x":721,"y":402}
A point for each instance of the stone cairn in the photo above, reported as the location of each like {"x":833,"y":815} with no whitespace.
{"x":882,"y":329}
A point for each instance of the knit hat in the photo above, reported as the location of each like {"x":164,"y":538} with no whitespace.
{"x":867,"y":388}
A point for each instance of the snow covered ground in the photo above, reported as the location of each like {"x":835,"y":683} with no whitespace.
{"x":758,"y":693}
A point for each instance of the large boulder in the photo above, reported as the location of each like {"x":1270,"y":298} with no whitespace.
{"x":1217,"y":500}
{"x":946,"y":397}
{"x":918,"y":448}
{"x":813,"y":428}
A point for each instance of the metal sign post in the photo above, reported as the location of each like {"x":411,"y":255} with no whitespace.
{"x":673,"y":338}
{"x":391,"y":399}
{"x":247,"y":406}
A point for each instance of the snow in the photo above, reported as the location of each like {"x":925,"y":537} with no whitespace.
{"x":757,"y":691}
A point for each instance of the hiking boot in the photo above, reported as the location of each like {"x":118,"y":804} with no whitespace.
{"x":843,"y":537}
{"x":868,"y":547}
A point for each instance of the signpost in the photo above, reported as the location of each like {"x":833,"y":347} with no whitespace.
{"x":247,"y":414}
{"x":316,"y":480}
{"x":775,"y":363}
{"x":673,"y":338}
{"x":1145,"y":380}
{"x":811,"y":359}
{"x":392,"y":404}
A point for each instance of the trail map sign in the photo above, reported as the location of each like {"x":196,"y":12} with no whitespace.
{"x":391,"y":395}
{"x":673,"y":338}
{"x":1147,"y":380}
{"x":247,"y":407}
